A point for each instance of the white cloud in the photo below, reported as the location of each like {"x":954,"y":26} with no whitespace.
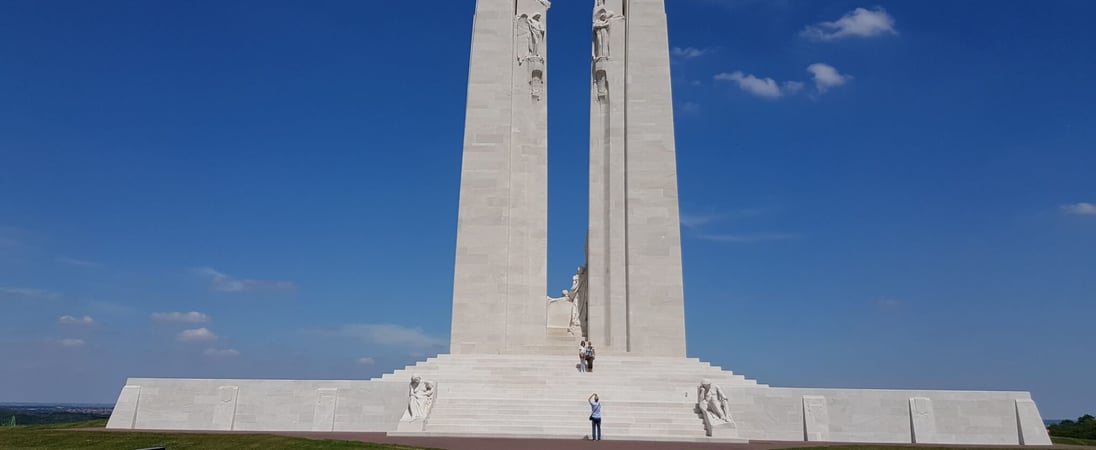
{"x":71,"y":343}
{"x":181,"y":317}
{"x":197,"y":335}
{"x":72,"y":320}
{"x":222,"y":353}
{"x":367,"y":361}
{"x":688,"y":52}
{"x":761,"y":87}
{"x":1080,"y":209}
{"x":388,"y":335}
{"x":28,"y":294}
{"x":749,"y":238}
{"x":826,"y":77}
{"x":78,"y":262}
{"x":224,"y":283}
{"x":859,"y":22}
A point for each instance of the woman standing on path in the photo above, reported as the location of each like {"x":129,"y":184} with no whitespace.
{"x":595,"y":417}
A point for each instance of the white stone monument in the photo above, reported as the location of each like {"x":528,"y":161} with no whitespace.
{"x":502,"y":231}
{"x":511,"y":361}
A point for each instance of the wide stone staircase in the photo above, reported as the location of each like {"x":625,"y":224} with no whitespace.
{"x":643,"y":398}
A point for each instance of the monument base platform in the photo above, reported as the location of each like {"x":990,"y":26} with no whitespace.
{"x":516,"y":396}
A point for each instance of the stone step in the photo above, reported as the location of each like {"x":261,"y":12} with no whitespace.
{"x":610,"y":437}
{"x":576,"y":430}
{"x":684,"y":422}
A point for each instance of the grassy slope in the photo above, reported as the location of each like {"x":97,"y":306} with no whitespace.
{"x":65,"y":437}
{"x":1073,"y":441}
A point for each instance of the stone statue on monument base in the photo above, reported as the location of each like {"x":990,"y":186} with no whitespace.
{"x":712,"y":403}
{"x":420,"y":399}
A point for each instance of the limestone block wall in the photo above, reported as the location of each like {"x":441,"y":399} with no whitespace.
{"x":259,"y":405}
{"x":500,"y":273}
{"x":887,"y":416}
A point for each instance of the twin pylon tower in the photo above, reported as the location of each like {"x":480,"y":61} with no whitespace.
{"x":635,"y":293}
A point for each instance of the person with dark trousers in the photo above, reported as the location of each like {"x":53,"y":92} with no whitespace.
{"x":589,"y":356}
{"x":595,"y":417}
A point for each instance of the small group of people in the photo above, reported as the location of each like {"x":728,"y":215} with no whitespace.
{"x":586,"y":356}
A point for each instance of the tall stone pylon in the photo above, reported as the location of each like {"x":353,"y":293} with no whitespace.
{"x":500,"y":278}
{"x":635,"y":288}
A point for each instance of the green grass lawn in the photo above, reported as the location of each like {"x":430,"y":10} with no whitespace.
{"x":1073,"y":441}
{"x":67,"y":436}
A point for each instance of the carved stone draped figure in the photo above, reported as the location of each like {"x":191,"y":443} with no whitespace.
{"x":603,"y":21}
{"x":532,"y":28}
{"x":713,"y":404}
{"x":578,"y":302}
{"x":420,"y":399}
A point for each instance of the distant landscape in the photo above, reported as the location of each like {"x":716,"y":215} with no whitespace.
{"x":44,"y":414}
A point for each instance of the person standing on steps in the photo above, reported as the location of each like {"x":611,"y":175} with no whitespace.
{"x":589,"y":356}
{"x":582,"y":356}
{"x":595,"y":417}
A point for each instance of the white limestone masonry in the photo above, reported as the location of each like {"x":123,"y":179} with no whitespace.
{"x":636,"y":290}
{"x":500,"y":273}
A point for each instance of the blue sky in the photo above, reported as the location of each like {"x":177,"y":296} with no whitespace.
{"x":874,"y":194}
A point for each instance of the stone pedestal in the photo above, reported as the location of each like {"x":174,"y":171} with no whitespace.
{"x":411,"y":427}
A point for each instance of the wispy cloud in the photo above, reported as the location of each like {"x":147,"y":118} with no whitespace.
{"x":749,"y":238}
{"x":222,"y":353}
{"x":761,"y":87}
{"x":366,"y":361}
{"x":181,"y":317}
{"x":221,"y":282}
{"x":73,"y":320}
{"x":9,"y":237}
{"x":860,"y":22}
{"x":1080,"y":209}
{"x":827,"y":77}
{"x":688,"y":52}
{"x":387,"y":335}
{"x":699,"y":220}
{"x":28,"y":294}
{"x":78,"y":262}
{"x":690,"y":108}
{"x":71,"y":343}
{"x":197,"y":335}
{"x":887,"y":304}
{"x":696,"y":220}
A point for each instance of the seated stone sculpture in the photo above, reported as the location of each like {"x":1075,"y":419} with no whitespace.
{"x":420,"y":398}
{"x":714,"y":405}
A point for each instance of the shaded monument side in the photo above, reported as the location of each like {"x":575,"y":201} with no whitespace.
{"x":606,"y":239}
{"x":499,"y":275}
{"x":635,"y":288}
{"x":656,"y":299}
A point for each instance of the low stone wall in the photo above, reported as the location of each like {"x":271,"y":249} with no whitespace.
{"x":887,"y":416}
{"x":259,"y":405}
